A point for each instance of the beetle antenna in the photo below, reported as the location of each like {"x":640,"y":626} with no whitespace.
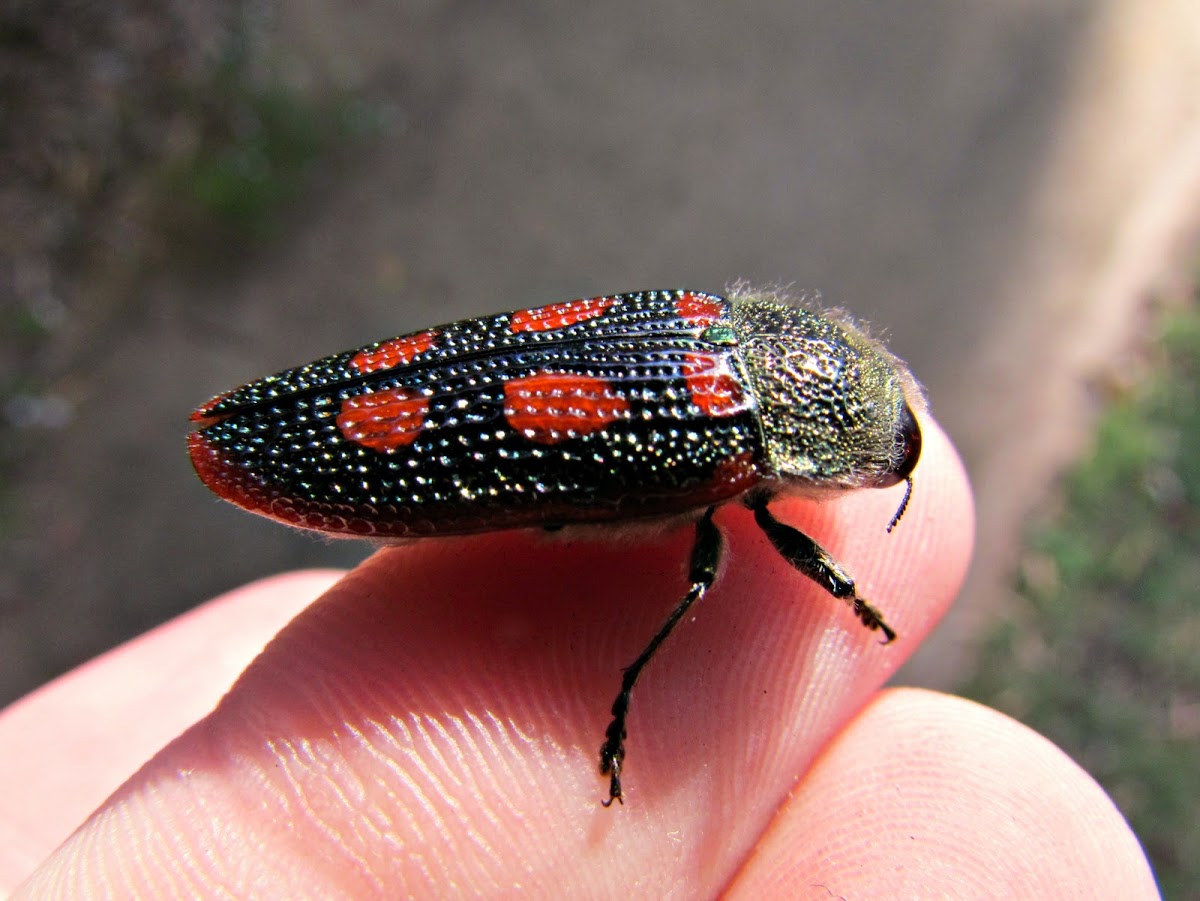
{"x":903,"y":504}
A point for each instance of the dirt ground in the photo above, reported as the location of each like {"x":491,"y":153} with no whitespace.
{"x":1000,"y":188}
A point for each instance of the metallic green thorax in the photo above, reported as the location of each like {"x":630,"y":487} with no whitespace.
{"x":832,"y":401}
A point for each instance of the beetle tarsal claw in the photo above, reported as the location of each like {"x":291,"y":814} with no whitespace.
{"x":873,"y":619}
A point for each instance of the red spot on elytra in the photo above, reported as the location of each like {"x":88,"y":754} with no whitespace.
{"x":383,"y":420}
{"x":394,"y":352}
{"x":550,"y":407}
{"x":712,"y":386}
{"x":736,"y":473}
{"x":559,"y":315}
{"x":698,"y":309}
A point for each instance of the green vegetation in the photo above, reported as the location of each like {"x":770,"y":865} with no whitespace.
{"x":1103,"y":653}
{"x":251,"y":149}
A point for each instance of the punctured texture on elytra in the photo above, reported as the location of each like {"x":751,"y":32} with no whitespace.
{"x":602,"y":410}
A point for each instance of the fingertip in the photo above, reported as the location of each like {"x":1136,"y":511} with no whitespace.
{"x":925,"y":794}
{"x":455,"y":691}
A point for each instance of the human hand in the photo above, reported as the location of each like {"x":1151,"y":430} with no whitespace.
{"x":430,"y":725}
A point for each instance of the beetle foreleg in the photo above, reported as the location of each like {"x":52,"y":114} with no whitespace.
{"x":811,"y":559}
{"x":706,"y":555}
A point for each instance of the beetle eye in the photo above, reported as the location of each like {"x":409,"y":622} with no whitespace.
{"x":911,"y":433}
{"x":910,"y":438}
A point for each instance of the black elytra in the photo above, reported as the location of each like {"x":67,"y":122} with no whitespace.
{"x":611,"y":409}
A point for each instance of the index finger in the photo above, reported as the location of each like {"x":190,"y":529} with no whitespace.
{"x":434,"y":718}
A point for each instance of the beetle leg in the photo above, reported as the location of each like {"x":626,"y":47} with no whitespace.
{"x":706,"y":555}
{"x":811,"y":559}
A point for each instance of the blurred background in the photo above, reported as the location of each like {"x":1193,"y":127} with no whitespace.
{"x":195,"y":194}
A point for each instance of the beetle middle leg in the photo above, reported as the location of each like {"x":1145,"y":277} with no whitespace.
{"x":814,"y":561}
{"x":706,"y":555}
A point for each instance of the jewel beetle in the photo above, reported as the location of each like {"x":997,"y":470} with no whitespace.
{"x":655,"y":404}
